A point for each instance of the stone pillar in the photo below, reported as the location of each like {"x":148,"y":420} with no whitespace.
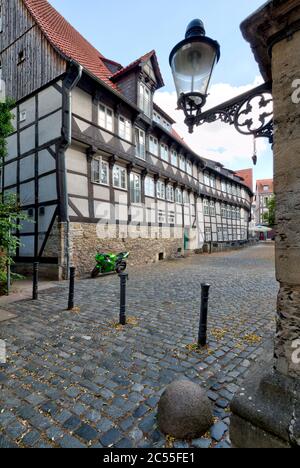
{"x":286,"y":69}
{"x":267,"y":413}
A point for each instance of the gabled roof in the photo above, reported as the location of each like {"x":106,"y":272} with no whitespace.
{"x":260,"y":184}
{"x":140,"y":62}
{"x":66,"y":40}
{"x":247,"y":176}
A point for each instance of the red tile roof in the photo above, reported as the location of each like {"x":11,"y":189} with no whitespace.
{"x":73,"y":46}
{"x":67,"y":40}
{"x":247,"y":176}
{"x":260,"y":184}
{"x":138,"y":62}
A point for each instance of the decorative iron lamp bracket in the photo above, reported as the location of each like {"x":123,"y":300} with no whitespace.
{"x":240,"y":112}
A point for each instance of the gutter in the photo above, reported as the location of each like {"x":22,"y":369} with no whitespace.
{"x":70,"y":81}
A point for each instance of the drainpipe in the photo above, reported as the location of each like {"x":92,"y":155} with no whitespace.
{"x":71,"y":80}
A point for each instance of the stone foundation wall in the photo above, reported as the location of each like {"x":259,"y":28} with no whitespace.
{"x":87,"y":239}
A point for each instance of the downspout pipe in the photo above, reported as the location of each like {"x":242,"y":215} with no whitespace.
{"x":70,"y":81}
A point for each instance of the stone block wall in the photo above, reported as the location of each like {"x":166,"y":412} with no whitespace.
{"x":87,"y":239}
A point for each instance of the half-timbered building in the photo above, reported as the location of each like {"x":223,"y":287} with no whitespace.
{"x":96,"y":164}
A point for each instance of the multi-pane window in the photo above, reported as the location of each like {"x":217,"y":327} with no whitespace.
{"x":208,"y":234}
{"x":220,"y":233}
{"x":153,"y":145}
{"x":120,"y":177}
{"x":125,"y":128}
{"x":174,"y":158}
{"x":186,"y":199}
{"x":234,"y":190}
{"x":206,"y":207}
{"x":145,"y":99}
{"x":229,"y":189}
{"x":178,"y":196}
{"x":266,"y":188}
{"x":182,"y":163}
{"x":170,"y":193}
{"x":135,"y":188}
{"x":225,"y":235}
{"x":161,"y":190}
{"x":164,"y":152}
{"x":156,"y":117}
{"x":228,"y":212}
{"x":106,"y":118}
{"x":206,"y":179}
{"x":239,"y":192}
{"x":223,"y":211}
{"x":149,"y":187}
{"x":100,"y":171}
{"x":161,"y":217}
{"x":171,"y":217}
{"x":223,"y":186}
{"x":189,"y":168}
{"x":213,"y":182}
{"x":212,"y":208}
{"x":140,"y":140}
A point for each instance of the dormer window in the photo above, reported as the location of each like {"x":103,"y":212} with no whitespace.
{"x":145,"y":99}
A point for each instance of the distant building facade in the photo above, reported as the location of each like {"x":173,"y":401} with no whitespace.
{"x":263,"y":193}
{"x":95,"y":162}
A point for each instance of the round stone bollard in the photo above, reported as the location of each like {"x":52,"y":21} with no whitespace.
{"x":184,"y":411}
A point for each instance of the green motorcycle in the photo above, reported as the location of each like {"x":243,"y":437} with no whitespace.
{"x":108,"y":263}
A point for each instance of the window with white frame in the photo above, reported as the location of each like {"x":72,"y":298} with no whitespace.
{"x":125,"y":128}
{"x":106,"y":118}
{"x":161,"y":190}
{"x":171,"y":217}
{"x":266,"y":188}
{"x":100,"y":171}
{"x":156,"y":117}
{"x":120,"y":177}
{"x":225,"y":234}
{"x":164,"y":152}
{"x":153,"y":145}
{"x":178,"y":196}
{"x":212,"y":208}
{"x":186,"y":199}
{"x":228,"y":212}
{"x":135,"y":188}
{"x":223,"y":186}
{"x":220,"y":233}
{"x":206,"y":207}
{"x":223,"y":211}
{"x":234,"y":190}
{"x":174,"y":158}
{"x":239,"y":192}
{"x":182,"y":163}
{"x":189,"y":167}
{"x":233,"y":213}
{"x":149,"y":187}
{"x":206,"y":179}
{"x":140,"y":142}
{"x":229,"y":189}
{"x":170,"y":193}
{"x":161,"y":217}
{"x":213,"y":182}
{"x":145,"y":99}
{"x":208,"y":234}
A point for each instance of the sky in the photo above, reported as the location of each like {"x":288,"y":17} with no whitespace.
{"x":125,"y":30}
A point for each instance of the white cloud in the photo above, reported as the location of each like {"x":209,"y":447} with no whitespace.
{"x":217,"y":141}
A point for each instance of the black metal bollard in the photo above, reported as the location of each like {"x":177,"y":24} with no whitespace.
{"x":71,"y":288}
{"x":202,"y":339}
{"x":35,"y":291}
{"x":123,"y":280}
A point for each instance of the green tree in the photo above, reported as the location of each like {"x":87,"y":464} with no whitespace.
{"x":10,"y":210}
{"x":269,"y":217}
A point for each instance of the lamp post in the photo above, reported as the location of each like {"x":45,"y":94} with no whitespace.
{"x":192,"y":62}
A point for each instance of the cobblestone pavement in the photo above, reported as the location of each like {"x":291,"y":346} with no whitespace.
{"x":74,"y":379}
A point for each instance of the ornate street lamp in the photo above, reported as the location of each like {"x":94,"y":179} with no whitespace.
{"x":192,"y":62}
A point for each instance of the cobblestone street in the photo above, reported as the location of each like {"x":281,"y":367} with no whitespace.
{"x":75,"y":379}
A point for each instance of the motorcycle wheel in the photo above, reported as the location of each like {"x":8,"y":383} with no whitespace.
{"x":121,"y":267}
{"x":95,"y":272}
